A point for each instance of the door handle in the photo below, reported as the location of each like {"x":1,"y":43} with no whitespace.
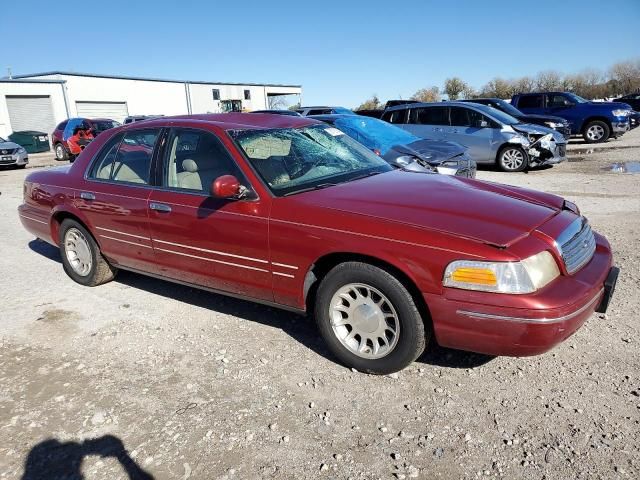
{"x":160,"y":207}
{"x":87,"y":196}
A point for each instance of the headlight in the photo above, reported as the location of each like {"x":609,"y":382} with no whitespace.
{"x":405,"y":160}
{"x":21,"y":150}
{"x":553,"y":124}
{"x":621,"y":113}
{"x":525,"y":276}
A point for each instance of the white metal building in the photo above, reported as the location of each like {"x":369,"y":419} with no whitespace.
{"x":40,"y":101}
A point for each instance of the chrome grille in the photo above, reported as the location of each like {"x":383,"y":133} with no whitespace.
{"x":578,"y":245}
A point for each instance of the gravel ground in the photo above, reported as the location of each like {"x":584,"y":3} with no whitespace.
{"x":140,"y":378}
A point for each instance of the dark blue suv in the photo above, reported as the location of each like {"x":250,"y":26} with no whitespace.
{"x":595,"y":121}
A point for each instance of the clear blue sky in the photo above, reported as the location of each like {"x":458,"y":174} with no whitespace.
{"x":341,"y":52}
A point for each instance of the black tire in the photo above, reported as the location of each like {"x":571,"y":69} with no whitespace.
{"x":413,"y":334}
{"x":100,"y":272}
{"x":61,"y":152}
{"x":507,"y":159}
{"x":596,"y":131}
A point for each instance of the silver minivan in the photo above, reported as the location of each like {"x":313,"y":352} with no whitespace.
{"x":490,"y":135}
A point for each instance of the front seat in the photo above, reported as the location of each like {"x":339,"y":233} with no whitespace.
{"x":189,"y":178}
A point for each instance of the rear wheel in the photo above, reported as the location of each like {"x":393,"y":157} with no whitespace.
{"x":596,"y":131}
{"x":61,"y":152}
{"x":81,"y":257}
{"x":368,"y":318}
{"x":512,"y":158}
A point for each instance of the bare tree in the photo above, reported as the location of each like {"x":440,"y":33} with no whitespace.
{"x":498,"y":87}
{"x":626,"y":76}
{"x":276,"y":102}
{"x":431,"y":94}
{"x":372,"y":103}
{"x":454,"y":86}
{"x":468,"y":92}
{"x":548,"y":80}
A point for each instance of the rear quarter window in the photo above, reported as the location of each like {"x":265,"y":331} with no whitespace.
{"x":530,"y":101}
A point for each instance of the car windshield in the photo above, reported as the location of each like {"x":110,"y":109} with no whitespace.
{"x":102,"y":125}
{"x":576,"y":98}
{"x":501,"y":117}
{"x":507,"y":108}
{"x":295,"y":160}
{"x":2,"y":139}
{"x":373,"y":133}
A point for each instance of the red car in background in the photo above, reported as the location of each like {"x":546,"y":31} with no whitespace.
{"x":293,"y":213}
{"x":66,"y":150}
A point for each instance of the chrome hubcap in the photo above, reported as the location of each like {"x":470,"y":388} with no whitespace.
{"x":595,"y":132}
{"x":364,"y":321}
{"x":512,"y":159}
{"x":78,"y":252}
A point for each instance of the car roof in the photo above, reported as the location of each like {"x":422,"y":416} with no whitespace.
{"x":232,"y":121}
{"x":408,"y":106}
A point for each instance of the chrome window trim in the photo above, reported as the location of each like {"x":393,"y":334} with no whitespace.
{"x":544,"y":321}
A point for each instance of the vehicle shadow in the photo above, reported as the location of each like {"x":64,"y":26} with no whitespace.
{"x":56,"y":460}
{"x":300,"y":328}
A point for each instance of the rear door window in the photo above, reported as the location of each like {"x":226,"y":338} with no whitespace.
{"x":395,"y":116}
{"x":127,"y":158}
{"x":530,"y":101}
{"x":429,"y":116}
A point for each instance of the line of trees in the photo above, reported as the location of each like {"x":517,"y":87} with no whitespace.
{"x":621,"y":78}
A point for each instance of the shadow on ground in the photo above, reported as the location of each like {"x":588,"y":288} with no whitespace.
{"x":55,"y":460}
{"x":301,"y":328}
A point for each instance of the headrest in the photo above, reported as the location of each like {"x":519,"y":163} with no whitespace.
{"x":189,"y":165}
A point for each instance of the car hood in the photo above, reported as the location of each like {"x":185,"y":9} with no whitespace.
{"x":490,"y":213}
{"x":610,"y":105}
{"x":431,"y":151}
{"x":531,"y":129}
{"x":8,"y":145}
{"x":540,"y":118}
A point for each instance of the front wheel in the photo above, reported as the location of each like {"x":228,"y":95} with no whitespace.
{"x":368,"y":319}
{"x":81,"y":257}
{"x":596,"y":131}
{"x":512,"y":158}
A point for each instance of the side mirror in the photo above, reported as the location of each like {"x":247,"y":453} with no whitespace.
{"x":226,"y":186}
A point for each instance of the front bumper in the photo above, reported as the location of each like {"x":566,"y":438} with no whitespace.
{"x":16,"y":159}
{"x":543,"y":156}
{"x":620,"y":127}
{"x":529,"y":324}
{"x":460,"y":166}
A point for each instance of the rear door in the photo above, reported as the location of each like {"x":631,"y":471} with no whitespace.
{"x":428,"y":122}
{"x":114,"y":197}
{"x":466,"y":129}
{"x":198,"y":239}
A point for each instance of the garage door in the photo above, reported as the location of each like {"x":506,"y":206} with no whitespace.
{"x":31,"y":113}
{"x":114,"y":110}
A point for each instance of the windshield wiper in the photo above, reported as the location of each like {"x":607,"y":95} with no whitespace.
{"x":308,"y":189}
{"x":364,"y":175}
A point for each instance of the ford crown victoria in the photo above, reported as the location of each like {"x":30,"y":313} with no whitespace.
{"x":293,"y":213}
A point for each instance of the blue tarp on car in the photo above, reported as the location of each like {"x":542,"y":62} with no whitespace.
{"x":373,"y":133}
{"x":72,"y":124}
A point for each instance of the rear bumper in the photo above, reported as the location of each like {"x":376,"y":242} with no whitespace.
{"x":462,"y":320}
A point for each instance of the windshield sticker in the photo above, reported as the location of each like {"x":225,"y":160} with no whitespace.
{"x":334,"y":132}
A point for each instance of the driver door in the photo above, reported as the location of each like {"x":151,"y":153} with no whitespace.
{"x":217,"y":243}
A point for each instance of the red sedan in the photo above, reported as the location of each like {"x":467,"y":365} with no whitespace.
{"x":292,"y":213}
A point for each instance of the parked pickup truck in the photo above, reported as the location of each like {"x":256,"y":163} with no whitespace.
{"x":595,"y":121}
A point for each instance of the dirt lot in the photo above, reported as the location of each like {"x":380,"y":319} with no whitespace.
{"x":144,"y":379}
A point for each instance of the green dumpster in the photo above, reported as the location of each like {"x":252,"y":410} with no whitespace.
{"x":31,"y":140}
